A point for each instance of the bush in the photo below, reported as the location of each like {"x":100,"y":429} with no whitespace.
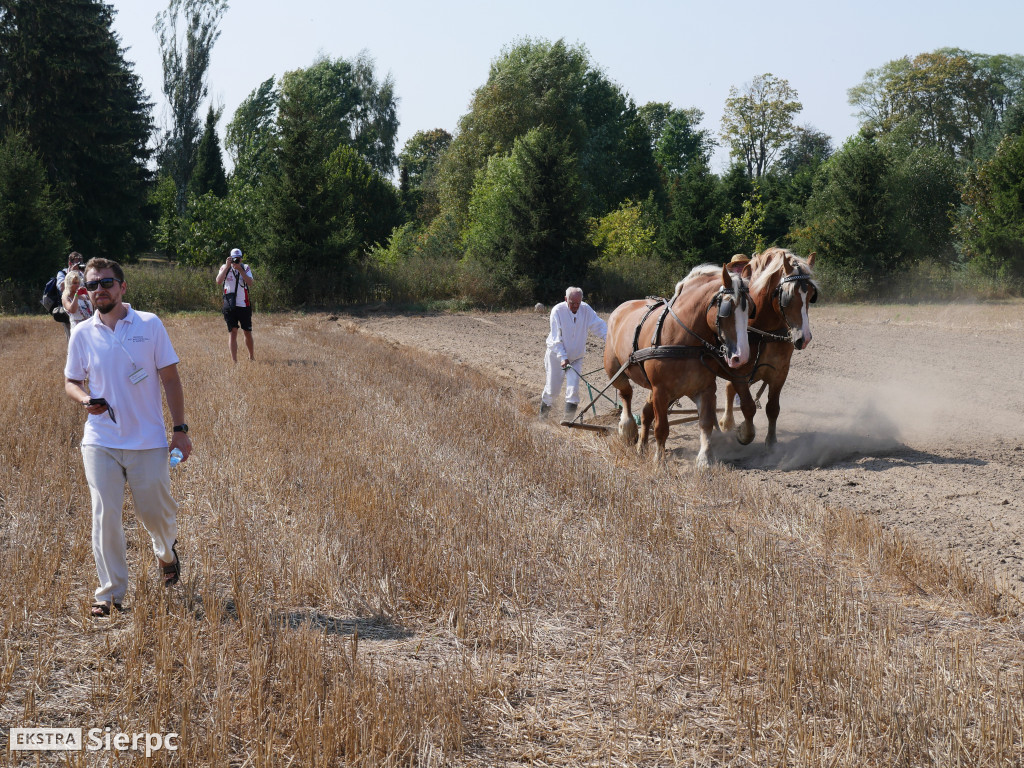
{"x":613,"y":280}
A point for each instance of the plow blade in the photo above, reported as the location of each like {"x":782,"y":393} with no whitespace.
{"x":591,"y":427}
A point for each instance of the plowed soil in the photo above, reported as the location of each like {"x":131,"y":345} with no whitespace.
{"x":914,"y":414}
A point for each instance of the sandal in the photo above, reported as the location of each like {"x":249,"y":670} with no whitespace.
{"x":172,"y":572}
{"x":101,"y":609}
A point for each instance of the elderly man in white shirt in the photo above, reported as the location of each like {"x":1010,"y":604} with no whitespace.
{"x":571,"y":322}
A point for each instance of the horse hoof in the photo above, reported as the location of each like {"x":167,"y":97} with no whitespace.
{"x":727,"y":424}
{"x":745,"y":434}
{"x":628,"y":432}
{"x":703,"y":462}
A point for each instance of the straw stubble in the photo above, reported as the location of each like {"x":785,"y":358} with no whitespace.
{"x":389,"y":561}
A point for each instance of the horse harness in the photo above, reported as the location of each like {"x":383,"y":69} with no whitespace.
{"x":723,"y":300}
{"x":784,"y":298}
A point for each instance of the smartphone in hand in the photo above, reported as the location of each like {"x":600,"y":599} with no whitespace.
{"x":103,"y":401}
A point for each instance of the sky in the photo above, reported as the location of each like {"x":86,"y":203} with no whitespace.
{"x":690,"y":54}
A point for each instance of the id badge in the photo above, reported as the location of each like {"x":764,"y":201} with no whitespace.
{"x":138,"y":375}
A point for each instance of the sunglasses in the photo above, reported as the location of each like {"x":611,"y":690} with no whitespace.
{"x":105,"y":282}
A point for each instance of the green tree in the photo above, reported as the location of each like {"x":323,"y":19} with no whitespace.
{"x":186,"y":62}
{"x":208,"y":175}
{"x":538,"y":83}
{"x":370,"y":200}
{"x":923,"y":190}
{"x":31,"y":238}
{"x":417,"y":166}
{"x":943,"y":99}
{"x":786,"y":189}
{"x":306,"y":236}
{"x":251,"y":136}
{"x":168,"y":229}
{"x":677,"y":140}
{"x":351,"y":108}
{"x":328,"y":205}
{"x":758,"y":122}
{"x":526,"y":219}
{"x":691,"y":231}
{"x":847,"y":215}
{"x":629,"y":233}
{"x":746,"y":230}
{"x":992,"y":230}
{"x":65,"y":85}
{"x":217,"y":224}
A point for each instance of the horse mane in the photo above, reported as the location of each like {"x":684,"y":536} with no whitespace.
{"x":700,"y":271}
{"x":693,"y":295}
{"x":765,"y":265}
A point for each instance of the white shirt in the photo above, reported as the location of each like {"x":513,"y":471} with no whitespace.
{"x":232,"y":282}
{"x":568,"y":337}
{"x":83,"y":309}
{"x":107,"y":358}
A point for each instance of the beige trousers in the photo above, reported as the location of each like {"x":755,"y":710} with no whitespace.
{"x":147,"y":474}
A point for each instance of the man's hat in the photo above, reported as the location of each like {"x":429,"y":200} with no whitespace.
{"x":236,"y":252}
{"x":740,"y":258}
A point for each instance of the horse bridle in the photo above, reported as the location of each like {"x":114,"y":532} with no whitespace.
{"x":725,"y":301}
{"x":786,"y":297}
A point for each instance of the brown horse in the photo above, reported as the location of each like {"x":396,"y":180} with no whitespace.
{"x":671,"y":348}
{"x":782,"y":288}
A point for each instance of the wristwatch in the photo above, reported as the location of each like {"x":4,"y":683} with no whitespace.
{"x":181,"y":427}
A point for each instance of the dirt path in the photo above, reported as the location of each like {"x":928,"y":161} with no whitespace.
{"x":914,"y":414}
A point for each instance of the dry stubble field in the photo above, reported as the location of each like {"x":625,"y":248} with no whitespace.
{"x":388,"y":562}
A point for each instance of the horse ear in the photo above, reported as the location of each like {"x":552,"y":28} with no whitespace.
{"x":810,"y":259}
{"x":726,"y":276}
{"x":787,"y":262}
{"x":747,"y":271}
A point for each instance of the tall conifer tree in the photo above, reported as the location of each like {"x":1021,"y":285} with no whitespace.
{"x":209,"y":175}
{"x":65,"y":84}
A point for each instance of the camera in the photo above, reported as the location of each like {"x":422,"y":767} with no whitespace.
{"x":236,"y":260}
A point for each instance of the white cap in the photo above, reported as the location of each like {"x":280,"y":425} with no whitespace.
{"x":236,"y":252}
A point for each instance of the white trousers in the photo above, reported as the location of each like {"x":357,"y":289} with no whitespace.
{"x":148,"y":475}
{"x":555,"y":376}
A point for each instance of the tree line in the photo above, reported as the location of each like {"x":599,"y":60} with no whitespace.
{"x":553,"y":176}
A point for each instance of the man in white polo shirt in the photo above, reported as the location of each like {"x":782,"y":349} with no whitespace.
{"x":124,"y":357}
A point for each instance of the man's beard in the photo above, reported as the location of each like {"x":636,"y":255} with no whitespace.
{"x":105,"y":308}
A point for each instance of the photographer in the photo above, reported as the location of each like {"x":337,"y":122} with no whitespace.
{"x":75,"y":298}
{"x":236,"y":278}
{"x":74,"y":263}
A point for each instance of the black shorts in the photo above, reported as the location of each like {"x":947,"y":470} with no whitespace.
{"x":239,"y":316}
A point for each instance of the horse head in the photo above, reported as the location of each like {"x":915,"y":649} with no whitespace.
{"x":785,"y":284}
{"x":734,"y":310}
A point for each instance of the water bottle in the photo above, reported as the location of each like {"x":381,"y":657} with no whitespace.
{"x":176,"y":457}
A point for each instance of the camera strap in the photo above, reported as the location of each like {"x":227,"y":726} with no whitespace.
{"x":237,"y":275}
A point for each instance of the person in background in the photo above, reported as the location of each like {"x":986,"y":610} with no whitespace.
{"x":738,"y":262}
{"x":117,"y":362}
{"x":236,"y":278}
{"x":75,"y":298}
{"x":571,"y":321}
{"x":74,"y":260}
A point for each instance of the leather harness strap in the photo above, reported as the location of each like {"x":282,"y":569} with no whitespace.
{"x":659,"y":351}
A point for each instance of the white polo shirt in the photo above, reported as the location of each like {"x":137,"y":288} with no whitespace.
{"x":107,"y":359}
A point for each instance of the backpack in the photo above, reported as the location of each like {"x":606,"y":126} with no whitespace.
{"x":52,"y":302}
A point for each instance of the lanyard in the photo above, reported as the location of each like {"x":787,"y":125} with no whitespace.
{"x":120,"y":340}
